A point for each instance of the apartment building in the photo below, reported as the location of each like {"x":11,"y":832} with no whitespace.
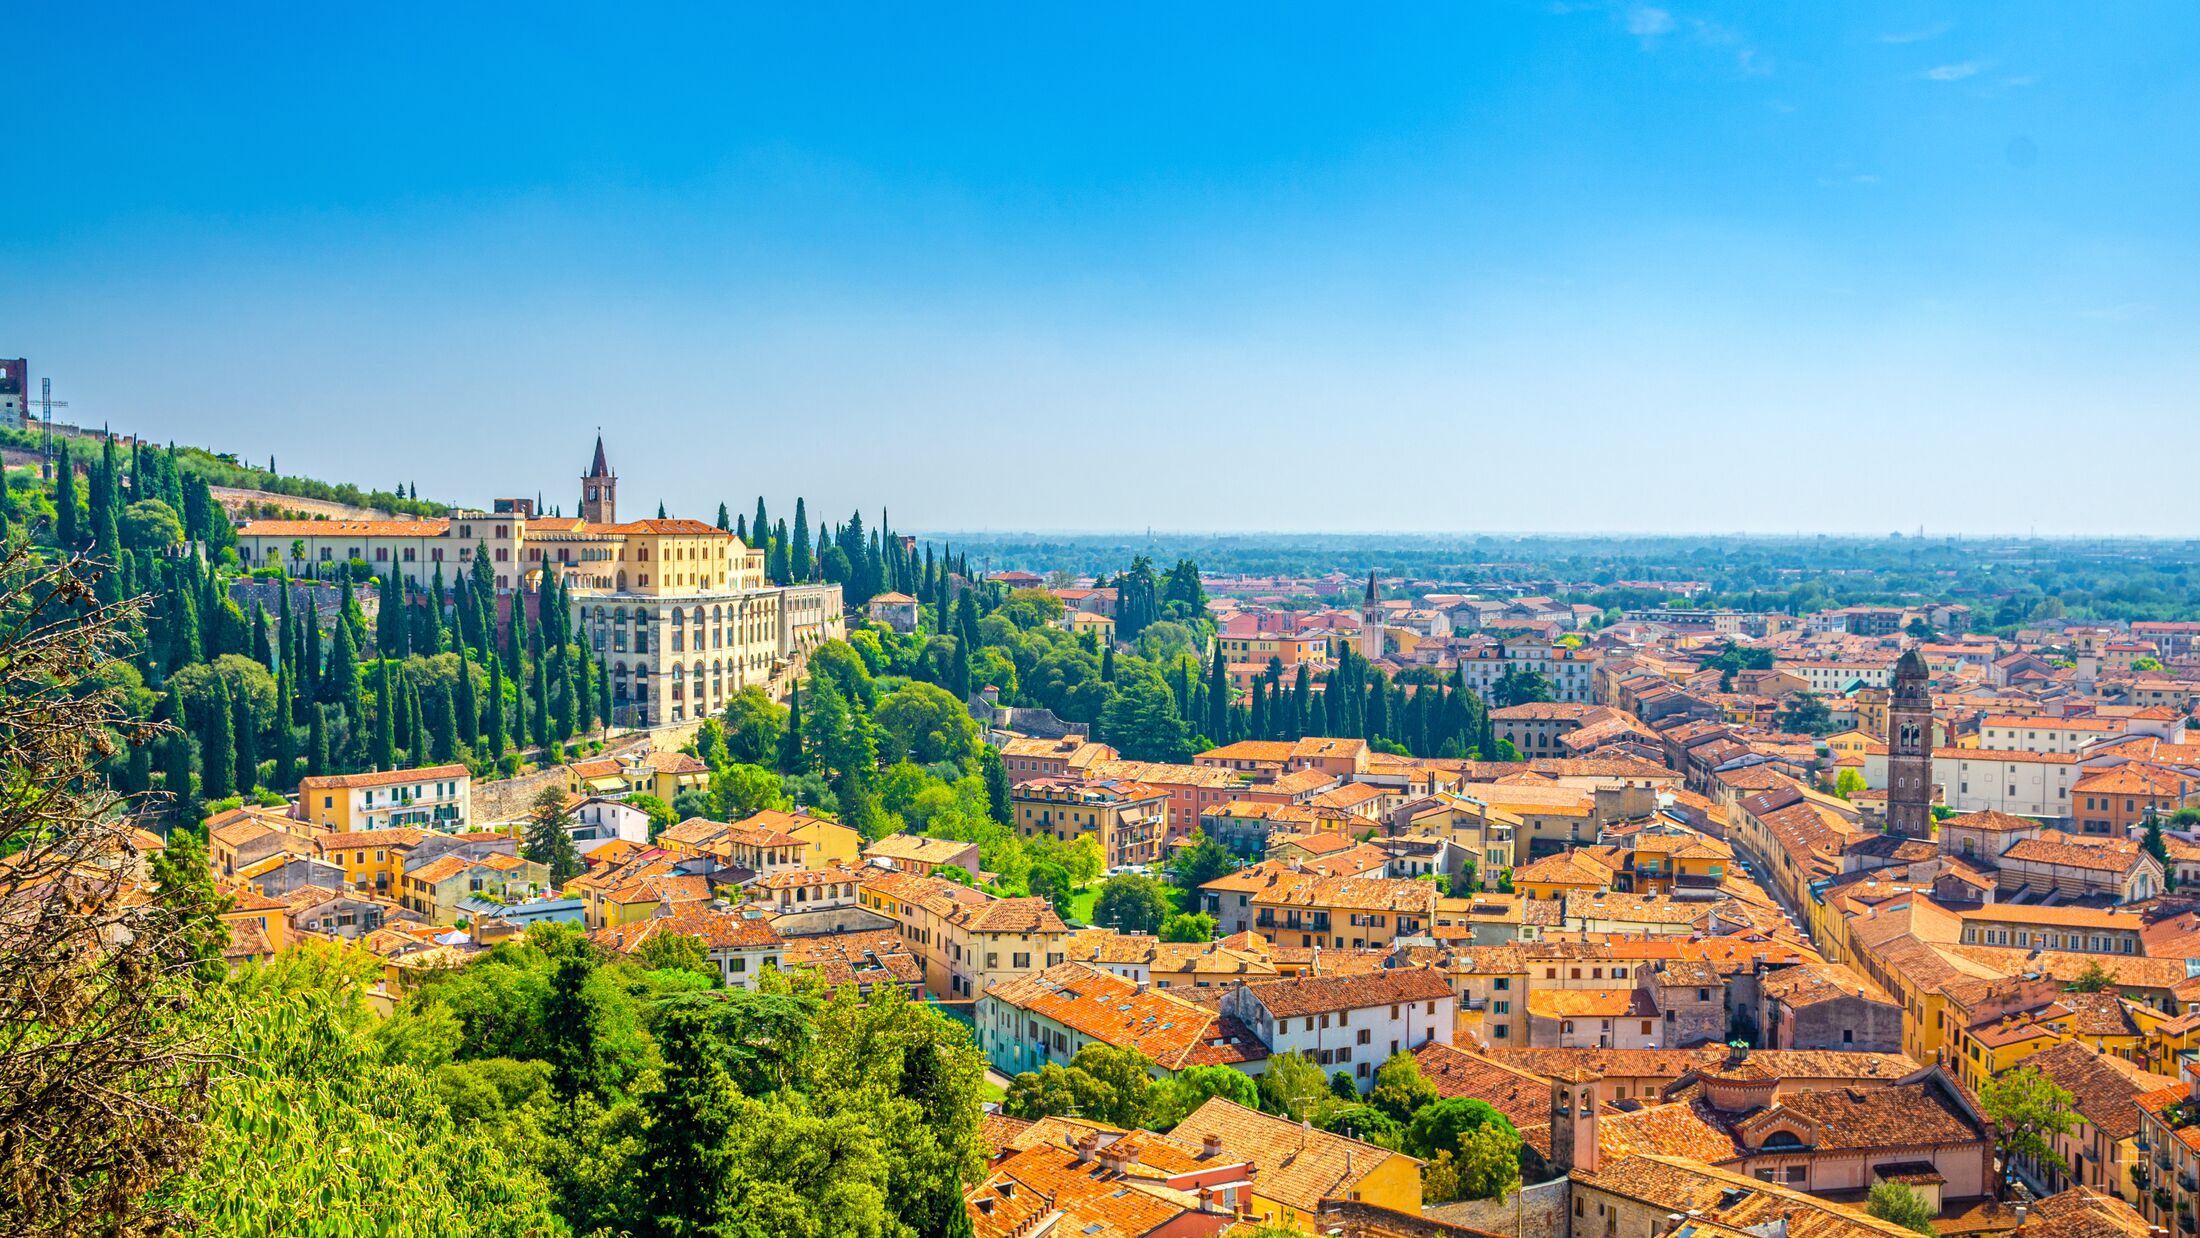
{"x":437,"y":797}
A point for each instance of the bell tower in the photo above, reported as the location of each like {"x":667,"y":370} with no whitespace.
{"x":1910,"y":748}
{"x":1371,"y":621}
{"x":600,"y":490}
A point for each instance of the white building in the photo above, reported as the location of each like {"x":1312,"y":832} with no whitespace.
{"x":1349,"y":1023}
{"x":1570,"y":670}
{"x":2023,"y":784}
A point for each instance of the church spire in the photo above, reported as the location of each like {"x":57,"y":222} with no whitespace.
{"x":600,"y":490}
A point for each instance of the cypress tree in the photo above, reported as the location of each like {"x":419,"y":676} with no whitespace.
{"x":263,"y":650}
{"x":465,"y":706}
{"x":348,"y":612}
{"x":725,"y":519}
{"x":494,"y":727}
{"x":958,"y":675}
{"x":286,"y":739}
{"x":389,"y":620}
{"x":183,"y":629}
{"x":515,"y":644}
{"x":340,"y":686}
{"x":312,"y":669}
{"x":741,"y":531}
{"x":802,"y":564}
{"x":137,"y":772}
{"x":385,"y":727}
{"x":316,"y":742}
{"x":762,"y":529}
{"x":176,"y":775}
{"x":217,"y":746}
{"x":416,"y":742}
{"x":247,"y":742}
{"x":541,"y":733}
{"x":581,"y":685}
{"x":64,"y":502}
{"x":792,"y":757}
{"x":1218,"y":698}
{"x":437,"y":640}
{"x":443,"y":728}
{"x":466,"y":617}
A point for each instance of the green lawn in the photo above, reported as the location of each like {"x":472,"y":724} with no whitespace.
{"x":1080,"y":905}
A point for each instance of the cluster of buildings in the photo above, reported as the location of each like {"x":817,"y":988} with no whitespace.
{"x":679,"y":611}
{"x":1724,"y":979}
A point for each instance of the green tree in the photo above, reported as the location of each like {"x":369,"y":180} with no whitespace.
{"x":217,"y":746}
{"x":1130,"y":903}
{"x":1361,"y":1121}
{"x":742,"y":791}
{"x":1805,"y":714}
{"x":2028,"y":1111}
{"x":660,"y":813}
{"x":754,"y":726}
{"x":1141,"y":721}
{"x":1483,"y":1157}
{"x":1897,"y":1203}
{"x":1200,"y":860}
{"x":366,"y":1143}
{"x":1293,"y":1086}
{"x":2095,"y":978}
{"x":995,"y":772}
{"x":1170,"y":1100}
{"x":677,"y":950}
{"x":685,"y":1154}
{"x":1400,"y":1089}
{"x":549,"y":841}
{"x":924,"y":723}
{"x":1188,"y":926}
{"x":1848,"y":783}
{"x":1101,"y":1083}
{"x":2158,"y":847}
{"x":1522,"y":687}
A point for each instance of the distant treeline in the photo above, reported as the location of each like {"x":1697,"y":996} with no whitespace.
{"x":225,"y":470}
{"x":2006,"y":581}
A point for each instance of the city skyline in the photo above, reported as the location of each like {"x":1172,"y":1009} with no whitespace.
{"x":1848,"y":272}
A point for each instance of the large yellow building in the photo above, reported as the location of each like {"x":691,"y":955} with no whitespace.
{"x":436,"y":797}
{"x":680,"y":611}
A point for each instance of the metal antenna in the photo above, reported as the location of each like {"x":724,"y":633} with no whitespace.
{"x":46,"y":405}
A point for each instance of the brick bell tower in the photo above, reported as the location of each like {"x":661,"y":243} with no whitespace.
{"x":1910,"y":749}
{"x":600,"y":490}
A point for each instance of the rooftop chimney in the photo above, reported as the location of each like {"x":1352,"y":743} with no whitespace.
{"x":1210,"y":1145}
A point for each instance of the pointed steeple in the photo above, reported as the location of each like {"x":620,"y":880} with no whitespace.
{"x":600,"y":489}
{"x":1370,"y":598}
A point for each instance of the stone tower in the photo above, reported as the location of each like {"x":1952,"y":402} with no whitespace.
{"x":1371,"y":621}
{"x":600,"y":491}
{"x":1910,"y":749}
{"x":1574,"y":1120}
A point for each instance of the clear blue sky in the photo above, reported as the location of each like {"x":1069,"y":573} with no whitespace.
{"x":1457,"y":266}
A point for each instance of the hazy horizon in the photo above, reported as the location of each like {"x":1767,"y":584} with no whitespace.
{"x":1569,"y":266}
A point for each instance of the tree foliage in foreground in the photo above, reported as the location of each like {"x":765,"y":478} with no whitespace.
{"x":102,"y":1085}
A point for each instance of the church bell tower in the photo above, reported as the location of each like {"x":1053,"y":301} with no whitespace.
{"x":600,"y":491}
{"x":1910,"y":749}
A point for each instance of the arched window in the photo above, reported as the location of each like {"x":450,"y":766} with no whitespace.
{"x":1782,"y":1139}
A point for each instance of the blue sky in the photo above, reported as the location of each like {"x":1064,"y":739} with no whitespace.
{"x":1566,"y":266}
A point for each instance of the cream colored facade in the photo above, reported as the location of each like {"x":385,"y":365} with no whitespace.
{"x":680,"y":611}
